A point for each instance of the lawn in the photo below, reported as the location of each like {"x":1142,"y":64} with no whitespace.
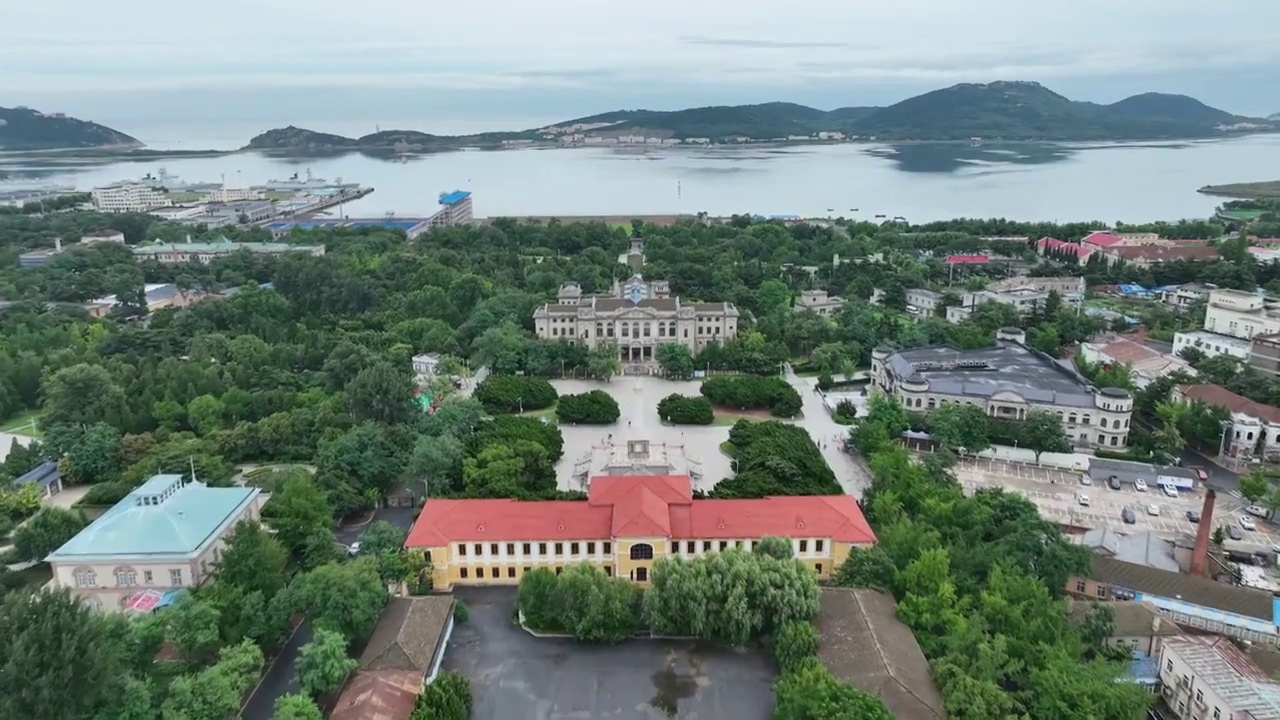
{"x":24,"y":423}
{"x":548,"y":414}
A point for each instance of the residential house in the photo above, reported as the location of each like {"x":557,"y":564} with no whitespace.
{"x":45,"y":476}
{"x":426,"y":365}
{"x":1185,"y":295}
{"x":1264,"y":354}
{"x":403,"y":655}
{"x":1206,"y":678}
{"x":1147,"y":549}
{"x":1102,"y":240}
{"x":1068,"y":252}
{"x":624,"y":525}
{"x":1255,"y":428}
{"x":863,"y":643}
{"x":1138,"y":627}
{"x":818,"y":301}
{"x":1212,"y":344}
{"x":175,"y":253}
{"x":1071,"y":288}
{"x":1146,"y":365}
{"x":167,"y":534}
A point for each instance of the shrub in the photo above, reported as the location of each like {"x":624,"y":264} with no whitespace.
{"x":794,"y":642}
{"x":595,"y":407}
{"x":108,"y":493}
{"x":810,"y":686}
{"x":825,"y":382}
{"x":448,"y":697}
{"x":685,"y":410}
{"x":508,"y":429}
{"x":772,"y":458}
{"x":744,"y":392}
{"x":515,"y":393}
{"x":461,"y":613}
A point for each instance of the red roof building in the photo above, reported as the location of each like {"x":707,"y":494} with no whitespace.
{"x":1055,"y":246}
{"x":623,"y":525}
{"x":1147,"y":255}
{"x":1102,"y":239}
{"x":968,"y":259}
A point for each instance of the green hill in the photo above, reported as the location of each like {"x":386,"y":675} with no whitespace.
{"x":26,"y":129}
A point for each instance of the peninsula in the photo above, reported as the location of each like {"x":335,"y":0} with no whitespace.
{"x":22,"y":128}
{"x":1266,"y":190}
{"x":997,"y":111}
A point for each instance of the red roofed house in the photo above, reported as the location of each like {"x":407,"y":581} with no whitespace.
{"x":624,"y":525}
{"x":1059,"y":248}
{"x":1255,"y":428}
{"x":1102,"y":239}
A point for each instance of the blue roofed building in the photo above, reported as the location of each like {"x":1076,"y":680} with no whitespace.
{"x":46,"y":476}
{"x":455,"y":209}
{"x":167,"y":534}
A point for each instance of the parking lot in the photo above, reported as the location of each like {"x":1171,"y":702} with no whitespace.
{"x":515,"y":675}
{"x":1056,"y":493}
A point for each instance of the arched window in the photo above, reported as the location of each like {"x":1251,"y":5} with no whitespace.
{"x":1102,"y":422}
{"x":642,"y":551}
{"x":126,"y":576}
{"x":1072,"y":419}
{"x":1085,"y":419}
{"x":86,"y":577}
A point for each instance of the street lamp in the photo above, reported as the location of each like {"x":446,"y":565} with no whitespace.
{"x":520,"y":403}
{"x":1222,"y":443}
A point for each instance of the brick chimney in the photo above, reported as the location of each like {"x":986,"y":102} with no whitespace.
{"x":1199,"y":556}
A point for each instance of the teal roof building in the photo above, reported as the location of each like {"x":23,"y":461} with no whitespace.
{"x":169,"y":517}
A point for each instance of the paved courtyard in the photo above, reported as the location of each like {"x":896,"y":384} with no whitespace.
{"x":515,"y":675}
{"x":1055,"y":493}
{"x":638,"y":398}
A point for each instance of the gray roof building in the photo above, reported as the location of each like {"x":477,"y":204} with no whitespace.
{"x":1147,"y":549}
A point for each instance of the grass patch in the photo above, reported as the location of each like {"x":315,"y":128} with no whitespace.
{"x":24,"y":423}
{"x":727,"y":448}
{"x":548,"y":414}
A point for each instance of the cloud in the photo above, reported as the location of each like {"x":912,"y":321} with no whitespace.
{"x":765,"y":44}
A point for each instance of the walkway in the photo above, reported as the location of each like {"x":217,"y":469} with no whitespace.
{"x":850,"y":471}
{"x":280,"y":679}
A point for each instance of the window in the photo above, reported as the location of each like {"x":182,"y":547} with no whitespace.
{"x":608,"y":548}
{"x":591,"y":548}
{"x":528,"y":570}
{"x":1101,"y":591}
{"x":559,"y":570}
{"x":511,"y":572}
{"x":559,"y":548}
{"x":642,"y":551}
{"x":542,"y":549}
{"x":642,"y":574}
{"x":148,"y":577}
{"x":462,"y":573}
{"x":608,"y":571}
{"x":691,"y":547}
{"x":493,"y":548}
{"x":804,"y":546}
{"x":524,"y":548}
{"x":706,"y":546}
{"x":511,"y":548}
{"x":817,"y":545}
{"x":493,"y":572}
{"x":1079,"y":586}
{"x":126,"y":576}
{"x":1199,"y":696}
{"x":1217,"y":714}
{"x":1168,"y":666}
{"x":479,"y":549}
{"x":462,"y":549}
{"x":737,"y":544}
{"x":1102,"y":422}
{"x":86,"y":578}
{"x":175,"y":577}
{"x":573,"y":548}
{"x":818,"y":567}
{"x":724,"y":545}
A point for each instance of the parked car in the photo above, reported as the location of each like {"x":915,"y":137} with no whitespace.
{"x":1140,"y":485}
{"x":354,"y":549}
{"x":1234,"y":533}
{"x":1153,"y":509}
{"x":1246,"y":522}
{"x":1128,"y":516}
{"x":1256,"y":511}
{"x":1169,"y":490}
{"x":1113,"y":482}
{"x":1085,"y":479}
{"x":1083,"y":499}
{"x":1193,"y":516}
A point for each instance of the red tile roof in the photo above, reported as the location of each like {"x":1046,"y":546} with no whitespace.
{"x":1057,"y":245}
{"x":1219,"y":396}
{"x":639,"y":506}
{"x":379,"y":695}
{"x":967,"y":259}
{"x":1163,"y":254}
{"x":1102,"y":239}
{"x":1128,"y":351}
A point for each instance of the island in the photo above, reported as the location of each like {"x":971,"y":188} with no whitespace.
{"x":22,"y":128}
{"x":1003,"y":111}
{"x":1266,"y":190}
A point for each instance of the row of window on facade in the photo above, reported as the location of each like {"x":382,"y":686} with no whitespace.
{"x":639,"y":551}
{"x":640,"y":573}
{"x":633,"y":330}
{"x":1071,"y":418}
{"x":1186,"y":682}
{"x":125,"y":577}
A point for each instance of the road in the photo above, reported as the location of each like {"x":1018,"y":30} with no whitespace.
{"x":281,"y":678}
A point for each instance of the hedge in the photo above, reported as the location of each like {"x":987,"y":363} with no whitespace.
{"x":685,"y":410}
{"x":515,"y":393}
{"x":595,"y":407}
{"x":745,"y":392}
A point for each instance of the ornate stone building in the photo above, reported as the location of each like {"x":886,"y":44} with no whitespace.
{"x":636,"y":317}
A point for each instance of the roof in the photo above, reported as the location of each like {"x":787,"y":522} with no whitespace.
{"x":1057,"y":245}
{"x":408,"y":634}
{"x":181,"y":518}
{"x":379,"y":695}
{"x":216,"y":247}
{"x":1005,"y":367}
{"x":1232,"y":676}
{"x":1189,"y":588}
{"x":1219,"y":396}
{"x":1128,"y":352}
{"x":1102,"y":239}
{"x":967,"y":259}
{"x":862,"y":642}
{"x":43,"y":475}
{"x":454,"y":197}
{"x":1132,"y":619}
{"x":1148,"y":548}
{"x":639,"y":506}
{"x":1163,"y":253}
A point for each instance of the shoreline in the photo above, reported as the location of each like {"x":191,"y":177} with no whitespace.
{"x":1261,"y":190}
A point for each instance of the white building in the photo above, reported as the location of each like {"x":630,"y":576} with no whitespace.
{"x":1209,"y":678}
{"x":1185,"y":295}
{"x":426,"y":366}
{"x":636,"y":317}
{"x":129,"y":197}
{"x":1254,"y":430}
{"x":1241,"y":314}
{"x":1212,"y":344}
{"x":818,"y":301}
{"x":455,"y":209}
{"x":1006,"y":381}
{"x":226,"y":195}
{"x":1071,"y":289}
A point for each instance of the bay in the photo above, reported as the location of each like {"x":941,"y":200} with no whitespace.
{"x":1131,"y":182}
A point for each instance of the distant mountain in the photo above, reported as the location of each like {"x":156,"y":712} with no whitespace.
{"x":295,"y":139}
{"x":1274,"y":117}
{"x":1176,"y":108}
{"x":26,"y":129}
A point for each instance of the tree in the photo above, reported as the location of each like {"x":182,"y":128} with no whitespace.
{"x":448,"y":697}
{"x":582,"y":601}
{"x":685,"y":410}
{"x":884,"y":423}
{"x":603,"y":363}
{"x":866,"y":568}
{"x":1042,"y":431}
{"x":83,"y":394}
{"x":1168,"y":439}
{"x":215,"y":692}
{"x":960,"y":427}
{"x":47,"y":531}
{"x":344,"y":597}
{"x":675,"y":360}
{"x":773,"y":296}
{"x":382,"y":393}
{"x":52,"y":643}
{"x":776,"y":547}
{"x":323,"y":664}
{"x":1255,"y":486}
{"x":299,"y":512}
{"x":194,"y":628}
{"x":204,"y":414}
{"x":385,"y":543}
{"x":515,"y":393}
{"x":793,"y":643}
{"x":252,"y":560}
{"x":810,"y":692}
{"x":296,"y":707}
{"x":594,"y":407}
{"x":436,"y":462}
{"x":355,"y":463}
{"x":93,"y":456}
{"x":522,"y":469}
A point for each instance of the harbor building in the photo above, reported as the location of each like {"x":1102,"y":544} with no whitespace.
{"x":166,"y":535}
{"x":627,"y":523}
{"x":1007,"y":381}
{"x":455,"y":209}
{"x":636,"y":316}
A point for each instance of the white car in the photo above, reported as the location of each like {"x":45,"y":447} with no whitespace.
{"x":1140,"y":485}
{"x":1256,"y":511}
{"x":1083,"y":499}
{"x":1086,"y":480}
{"x":1153,"y":510}
{"x":1170,"y":490}
{"x":354,"y":550}
{"x":1246,"y":522}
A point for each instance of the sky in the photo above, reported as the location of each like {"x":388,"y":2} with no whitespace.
{"x":257,"y":61}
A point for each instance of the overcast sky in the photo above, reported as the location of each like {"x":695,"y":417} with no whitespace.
{"x":597,"y":55}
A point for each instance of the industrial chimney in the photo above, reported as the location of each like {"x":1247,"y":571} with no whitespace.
{"x":1199,"y":556}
